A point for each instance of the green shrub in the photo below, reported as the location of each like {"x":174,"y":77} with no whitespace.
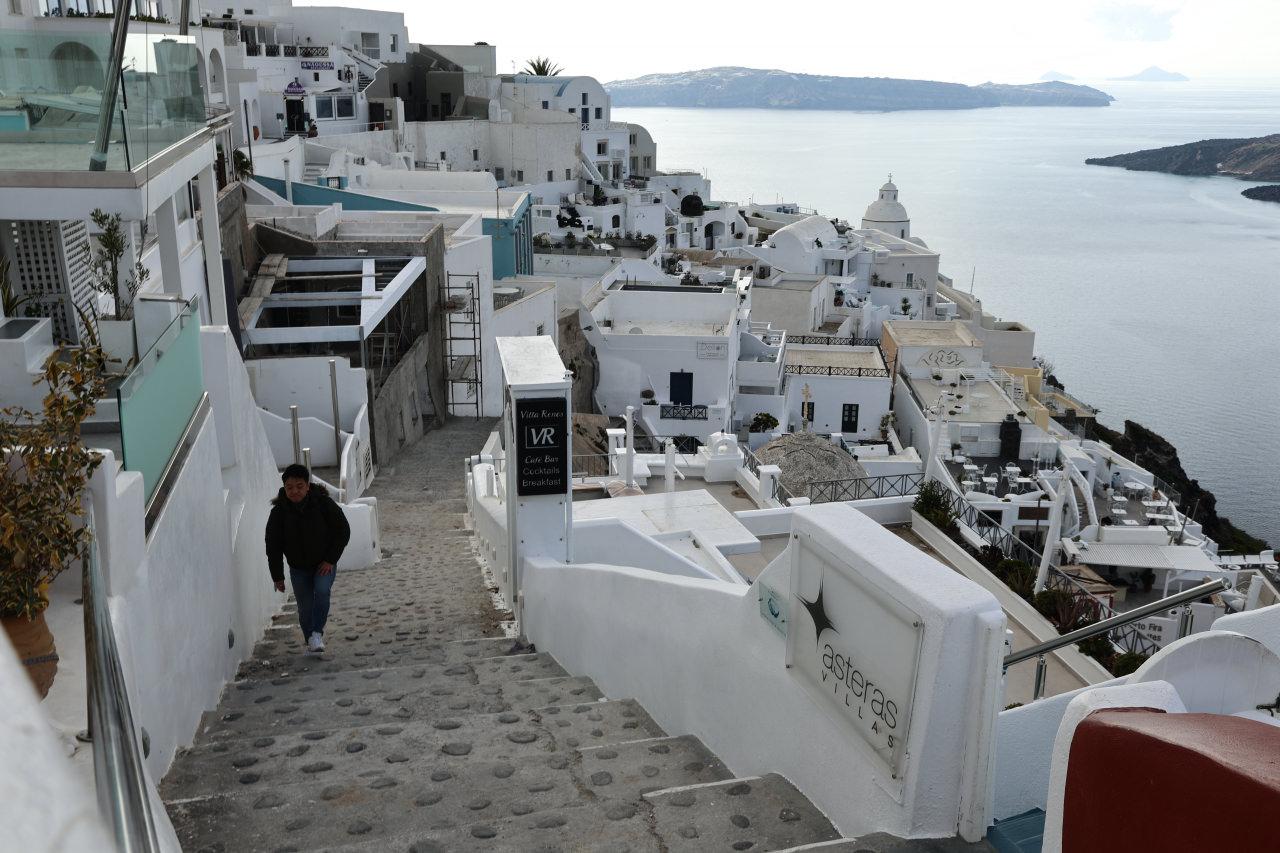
{"x":932,"y":504}
{"x":1019,"y":576}
{"x":763,"y":422}
{"x":1126,"y":662}
{"x":1099,"y":648}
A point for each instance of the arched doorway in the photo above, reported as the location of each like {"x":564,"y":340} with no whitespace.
{"x":76,"y":65}
{"x":617,"y":221}
{"x":217,"y":85}
{"x":713,"y":232}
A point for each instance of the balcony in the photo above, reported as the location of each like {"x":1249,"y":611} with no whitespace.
{"x":682,"y":412}
{"x":52,"y":99}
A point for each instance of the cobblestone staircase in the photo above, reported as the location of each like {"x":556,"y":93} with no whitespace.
{"x":417,"y":732}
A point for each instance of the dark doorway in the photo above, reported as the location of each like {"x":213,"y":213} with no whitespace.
{"x":849,"y":417}
{"x":682,"y":388}
{"x":294,"y":116}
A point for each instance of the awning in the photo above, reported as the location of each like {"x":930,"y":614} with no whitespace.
{"x":1182,"y":558}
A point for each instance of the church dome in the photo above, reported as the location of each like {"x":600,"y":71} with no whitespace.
{"x":887,"y":214}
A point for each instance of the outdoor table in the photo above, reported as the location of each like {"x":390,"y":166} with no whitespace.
{"x":1116,"y":510}
{"x":1129,"y":522}
{"x":1134,"y":487}
{"x":969,"y":466}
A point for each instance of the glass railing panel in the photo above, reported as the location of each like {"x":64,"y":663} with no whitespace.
{"x":52,"y":85}
{"x":159,"y":396}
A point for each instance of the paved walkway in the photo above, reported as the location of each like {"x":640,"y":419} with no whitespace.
{"x":420,"y":730}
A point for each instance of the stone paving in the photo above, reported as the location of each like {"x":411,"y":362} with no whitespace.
{"x":420,"y":730}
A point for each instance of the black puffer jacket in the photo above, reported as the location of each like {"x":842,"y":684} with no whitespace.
{"x":308,"y":533}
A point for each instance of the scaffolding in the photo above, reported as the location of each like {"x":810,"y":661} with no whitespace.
{"x":461,"y":306}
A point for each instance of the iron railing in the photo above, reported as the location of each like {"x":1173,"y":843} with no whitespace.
{"x":827,"y":340}
{"x":829,"y":370}
{"x":781,"y":493}
{"x":272,"y":49}
{"x":682,"y":412}
{"x":861,"y":488}
{"x":752,"y":462}
{"x":1127,"y":638}
{"x":253,"y":49}
{"x":124,"y":800}
{"x":1106,"y":627}
{"x":591,"y":465}
{"x":307,"y":51}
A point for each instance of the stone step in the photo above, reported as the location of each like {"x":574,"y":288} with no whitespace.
{"x":280,"y":658}
{"x":275,"y":715}
{"x":440,"y":796}
{"x":757,"y":813}
{"x":309,"y":686}
{"x":343,"y":753}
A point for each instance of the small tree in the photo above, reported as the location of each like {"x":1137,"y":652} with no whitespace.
{"x":542,"y":66}
{"x":932,"y":505}
{"x":44,"y":479}
{"x":104,"y":264}
{"x":906,"y":307}
{"x":763,"y":422}
{"x":242,"y":164}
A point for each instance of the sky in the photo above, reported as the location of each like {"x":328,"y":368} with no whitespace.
{"x":1006,"y":41}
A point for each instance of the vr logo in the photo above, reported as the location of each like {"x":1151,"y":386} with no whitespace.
{"x":542,"y":436}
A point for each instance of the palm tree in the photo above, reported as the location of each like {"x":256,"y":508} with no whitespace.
{"x":542,"y":66}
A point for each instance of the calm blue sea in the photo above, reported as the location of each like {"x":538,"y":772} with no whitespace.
{"x":1157,"y":297}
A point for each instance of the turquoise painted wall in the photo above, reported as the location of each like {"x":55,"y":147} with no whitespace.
{"x":512,"y":242}
{"x":312,"y":194}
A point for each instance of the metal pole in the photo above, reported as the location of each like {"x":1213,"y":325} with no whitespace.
{"x":1042,"y":675}
{"x":1184,"y":622}
{"x":333,"y":395}
{"x":248,"y":135}
{"x":631,"y":447}
{"x":184,"y":10}
{"x":1117,"y":621}
{"x":119,"y":33}
{"x":306,"y":460}
{"x":297,"y":437}
{"x":670,"y":469}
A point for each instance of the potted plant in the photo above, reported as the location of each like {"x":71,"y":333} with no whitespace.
{"x":115,"y":331}
{"x":763,"y":422}
{"x":44,"y":480}
{"x":647,"y":395}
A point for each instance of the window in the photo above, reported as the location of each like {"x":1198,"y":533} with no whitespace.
{"x":324,"y":108}
{"x":551,"y":176}
{"x":475,"y":155}
{"x":633,"y":139}
{"x":806,"y":412}
{"x":442,"y":157}
{"x":602,"y":147}
{"x":617,"y":171}
{"x":573,"y":110}
{"x":519,"y":176}
{"x":910,"y":277}
{"x":599,"y":112}
{"x":633,"y":164}
{"x":346,"y":106}
{"x":316,"y":75}
{"x":538,"y":331}
{"x":584,"y":99}
{"x":546,"y":105}
{"x":568,"y":174}
{"x":15,"y":7}
{"x":394,"y":42}
{"x":499,"y":173}
{"x":849,"y":417}
{"x":648,"y":162}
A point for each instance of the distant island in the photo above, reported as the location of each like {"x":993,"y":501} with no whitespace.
{"x":1256,"y":159}
{"x":1267,"y":193}
{"x":1055,"y":76}
{"x":1154,"y":75}
{"x":732,"y":87}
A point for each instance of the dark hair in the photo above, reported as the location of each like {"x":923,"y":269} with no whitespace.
{"x":295,"y":472}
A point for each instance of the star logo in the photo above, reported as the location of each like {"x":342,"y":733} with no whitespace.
{"x":818,"y":613}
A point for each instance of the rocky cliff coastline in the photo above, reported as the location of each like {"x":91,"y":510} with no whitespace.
{"x":1256,"y":159}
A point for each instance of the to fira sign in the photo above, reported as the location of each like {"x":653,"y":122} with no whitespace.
{"x":542,"y":446}
{"x":854,"y":648}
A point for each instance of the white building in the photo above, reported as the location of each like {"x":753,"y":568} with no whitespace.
{"x":887,"y":214}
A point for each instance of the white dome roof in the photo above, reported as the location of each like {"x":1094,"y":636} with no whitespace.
{"x":807,"y":230}
{"x":886,"y":208}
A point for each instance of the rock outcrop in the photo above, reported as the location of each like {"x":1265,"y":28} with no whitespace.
{"x":1256,"y":159}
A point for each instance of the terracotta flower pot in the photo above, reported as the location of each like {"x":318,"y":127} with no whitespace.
{"x":34,"y":645}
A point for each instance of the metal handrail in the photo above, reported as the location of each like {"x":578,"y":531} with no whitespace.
{"x":1119,"y":620}
{"x":124,"y":799}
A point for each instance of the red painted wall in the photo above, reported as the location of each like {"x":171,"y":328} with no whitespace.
{"x":1139,"y":779}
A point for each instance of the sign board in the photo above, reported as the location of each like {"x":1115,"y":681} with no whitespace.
{"x":317,"y":65}
{"x":773,"y":607}
{"x":294,"y":88}
{"x":713,"y":349}
{"x":854,"y":647}
{"x":1160,"y":629}
{"x":542,"y":446}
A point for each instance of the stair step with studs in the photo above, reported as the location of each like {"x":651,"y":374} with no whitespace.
{"x":272,"y":714}
{"x":344,"y":752}
{"x":445,"y":793}
{"x":288,"y":657}
{"x":757,"y":813}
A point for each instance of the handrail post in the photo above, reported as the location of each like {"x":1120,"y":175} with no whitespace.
{"x":333,"y":394}
{"x":297,"y":438}
{"x":1042,"y":675}
{"x":306,"y":460}
{"x":1184,"y":621}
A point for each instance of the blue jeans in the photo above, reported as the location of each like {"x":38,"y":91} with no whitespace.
{"x":311,"y":590}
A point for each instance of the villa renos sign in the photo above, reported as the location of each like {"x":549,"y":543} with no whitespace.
{"x":854,"y":648}
{"x":542,"y":446}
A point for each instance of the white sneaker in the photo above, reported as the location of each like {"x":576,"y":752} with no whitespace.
{"x":316,"y":643}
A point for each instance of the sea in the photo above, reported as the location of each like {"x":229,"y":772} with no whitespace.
{"x":1156,"y":297}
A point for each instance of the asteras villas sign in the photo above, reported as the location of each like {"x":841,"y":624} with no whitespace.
{"x":854,"y":647}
